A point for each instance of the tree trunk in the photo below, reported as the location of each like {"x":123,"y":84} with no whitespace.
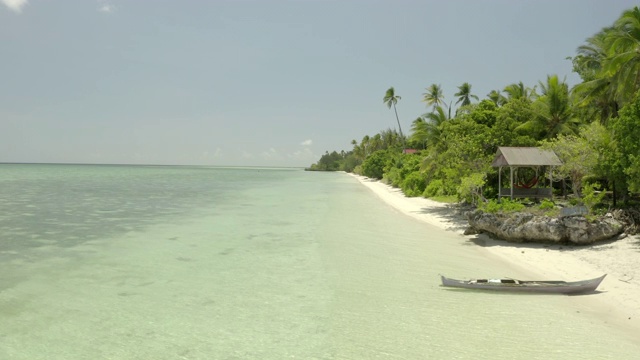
{"x":399,"y":127}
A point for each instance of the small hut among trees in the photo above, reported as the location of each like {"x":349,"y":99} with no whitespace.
{"x":526,"y":166}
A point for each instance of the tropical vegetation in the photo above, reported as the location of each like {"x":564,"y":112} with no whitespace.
{"x":594,"y":128}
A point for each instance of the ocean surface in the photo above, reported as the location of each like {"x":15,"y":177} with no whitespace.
{"x":153,"y":262}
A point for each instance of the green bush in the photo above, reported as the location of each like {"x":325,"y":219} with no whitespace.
{"x":590,"y":196}
{"x":393,"y":177}
{"x":506,"y":205}
{"x":414,"y":184}
{"x":546,"y":205}
{"x":470,"y":188}
{"x":373,"y":166}
{"x":435,"y":188}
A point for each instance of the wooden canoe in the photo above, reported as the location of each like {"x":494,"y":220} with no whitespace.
{"x":542,"y":286}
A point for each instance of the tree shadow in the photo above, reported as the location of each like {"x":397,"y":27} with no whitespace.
{"x":452,"y":214}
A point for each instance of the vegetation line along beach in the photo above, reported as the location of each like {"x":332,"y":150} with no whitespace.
{"x":458,"y":152}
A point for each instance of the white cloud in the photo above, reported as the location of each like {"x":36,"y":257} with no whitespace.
{"x":270,"y":154}
{"x":106,"y":8}
{"x":306,"y":142}
{"x":15,"y":5}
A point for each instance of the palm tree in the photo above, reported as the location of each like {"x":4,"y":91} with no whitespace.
{"x":366,"y":146}
{"x":419,"y":132}
{"x":595,"y":94}
{"x":624,"y":57}
{"x":497,"y":98}
{"x":391,"y":99}
{"x":358,"y":151}
{"x":433,"y":96}
{"x":519,"y":91}
{"x":464,"y":94}
{"x":433,"y":122}
{"x":390,"y":138}
{"x":554,"y":114}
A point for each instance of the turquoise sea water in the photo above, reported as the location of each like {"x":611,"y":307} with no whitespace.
{"x":134,"y":262}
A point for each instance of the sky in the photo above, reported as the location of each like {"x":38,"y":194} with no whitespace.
{"x":258,"y":83}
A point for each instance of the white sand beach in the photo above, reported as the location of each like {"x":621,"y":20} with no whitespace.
{"x":618,"y":300}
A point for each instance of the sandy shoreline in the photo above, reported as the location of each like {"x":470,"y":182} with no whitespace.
{"x":618,"y":300}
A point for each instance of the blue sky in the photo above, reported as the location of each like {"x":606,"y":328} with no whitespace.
{"x":258,"y":83}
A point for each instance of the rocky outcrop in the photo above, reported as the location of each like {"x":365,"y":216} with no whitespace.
{"x":526,"y":227}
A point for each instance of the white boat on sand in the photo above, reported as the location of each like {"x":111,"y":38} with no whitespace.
{"x":541,"y":286}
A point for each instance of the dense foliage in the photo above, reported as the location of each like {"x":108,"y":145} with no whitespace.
{"x":594,"y":128}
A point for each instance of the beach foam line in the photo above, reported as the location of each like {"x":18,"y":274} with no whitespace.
{"x":618,"y":300}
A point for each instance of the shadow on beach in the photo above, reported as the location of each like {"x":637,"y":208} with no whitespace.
{"x":452,"y":214}
{"x":486,"y":240}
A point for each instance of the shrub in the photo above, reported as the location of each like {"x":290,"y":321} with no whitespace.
{"x":393,"y":177}
{"x":414,"y":184}
{"x":470,"y":188}
{"x":435,"y":188}
{"x":591,"y":197}
{"x":373,"y":166}
{"x":506,"y":205}
{"x":546,"y":204}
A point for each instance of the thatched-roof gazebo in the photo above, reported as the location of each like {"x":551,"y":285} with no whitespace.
{"x":529,"y":157}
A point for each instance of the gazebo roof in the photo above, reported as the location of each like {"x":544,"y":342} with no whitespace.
{"x":525,"y":156}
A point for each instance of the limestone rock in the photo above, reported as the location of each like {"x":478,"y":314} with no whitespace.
{"x":526,"y":227}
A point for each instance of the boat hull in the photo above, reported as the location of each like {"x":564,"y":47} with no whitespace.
{"x":552,"y":287}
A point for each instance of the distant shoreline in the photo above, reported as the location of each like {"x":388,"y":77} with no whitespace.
{"x":618,"y":298}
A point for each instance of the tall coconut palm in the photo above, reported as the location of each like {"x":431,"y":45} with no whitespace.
{"x":419,"y":133}
{"x":391,"y":99}
{"x":464,"y":94}
{"x":624,"y":55}
{"x":595,"y":94}
{"x":433,"y":97}
{"x":554,"y":114}
{"x":433,"y":122}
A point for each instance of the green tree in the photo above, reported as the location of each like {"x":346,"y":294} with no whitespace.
{"x":553,"y":111}
{"x":626,"y":133}
{"x":434,"y":121}
{"x":464,"y":94}
{"x":433,"y":97}
{"x":578,"y":158}
{"x":390,"y":139}
{"x":391,"y":99}
{"x":497,"y":98}
{"x":624,"y":55}
{"x":463,"y":150}
{"x":508,"y":118}
{"x":419,"y":134}
{"x":596,"y":97}
{"x":374,"y":166}
{"x":609,"y":64}
{"x":519,"y":91}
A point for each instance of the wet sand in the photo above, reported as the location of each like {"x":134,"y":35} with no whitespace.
{"x":618,"y":297}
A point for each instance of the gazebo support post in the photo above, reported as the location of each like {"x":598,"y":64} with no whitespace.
{"x":511,"y":182}
{"x":499,"y":184}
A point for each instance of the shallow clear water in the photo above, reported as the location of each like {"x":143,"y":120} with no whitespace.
{"x":130,"y":262}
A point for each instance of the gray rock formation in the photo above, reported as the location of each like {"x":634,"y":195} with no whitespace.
{"x":526,"y":227}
